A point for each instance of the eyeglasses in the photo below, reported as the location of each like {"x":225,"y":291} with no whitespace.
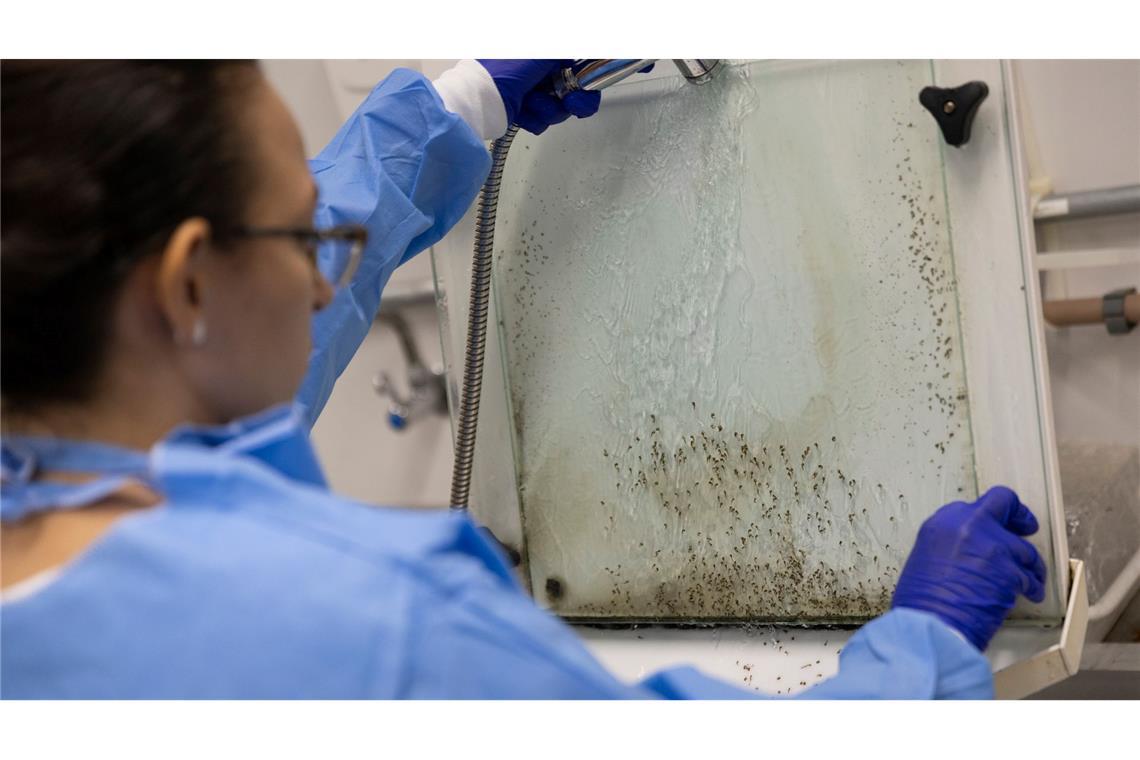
{"x":335,"y":251}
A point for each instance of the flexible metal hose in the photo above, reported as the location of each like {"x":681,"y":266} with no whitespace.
{"x":477,"y":323}
{"x":595,"y":75}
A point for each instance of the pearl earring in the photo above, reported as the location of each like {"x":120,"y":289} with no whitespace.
{"x":198,"y":335}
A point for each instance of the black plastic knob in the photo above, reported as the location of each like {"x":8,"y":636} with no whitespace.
{"x":954,"y":109}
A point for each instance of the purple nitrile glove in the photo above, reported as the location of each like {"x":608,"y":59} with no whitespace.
{"x":524,"y":86}
{"x":969,"y":563}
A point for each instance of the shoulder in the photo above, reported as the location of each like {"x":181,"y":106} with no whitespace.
{"x":297,"y":525}
{"x":233,"y":498}
{"x":318,"y":598}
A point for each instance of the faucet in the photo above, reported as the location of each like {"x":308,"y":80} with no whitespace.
{"x":428,"y":388}
{"x":599,"y":73}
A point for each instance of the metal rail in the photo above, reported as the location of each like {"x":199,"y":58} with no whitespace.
{"x":1104,"y":202}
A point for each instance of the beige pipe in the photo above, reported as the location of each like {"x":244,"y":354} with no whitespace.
{"x":1087,"y":311}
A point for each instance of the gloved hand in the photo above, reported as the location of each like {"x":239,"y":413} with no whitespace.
{"x":524,"y":86}
{"x":968,"y":564}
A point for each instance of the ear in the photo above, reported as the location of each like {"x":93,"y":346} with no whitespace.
{"x":182,"y":280}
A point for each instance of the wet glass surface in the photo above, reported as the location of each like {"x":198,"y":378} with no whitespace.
{"x":731,"y":345}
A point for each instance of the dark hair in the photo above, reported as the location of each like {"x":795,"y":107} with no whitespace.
{"x":101,"y":161}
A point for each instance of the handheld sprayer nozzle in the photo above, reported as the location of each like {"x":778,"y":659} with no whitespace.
{"x":600,"y":73}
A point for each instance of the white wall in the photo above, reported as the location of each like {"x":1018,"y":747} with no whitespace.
{"x":1083,"y":129}
{"x":1083,"y":121}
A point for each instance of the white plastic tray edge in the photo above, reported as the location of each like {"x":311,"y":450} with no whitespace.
{"x":1058,"y":662}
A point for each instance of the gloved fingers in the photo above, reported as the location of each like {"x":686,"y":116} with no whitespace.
{"x":1022,"y":522}
{"x":1036,"y":565}
{"x":1032,"y":585}
{"x":531,"y":124}
{"x":545,"y":106}
{"x":539,"y":111}
{"x":554,"y":65}
{"x":1023,"y":552}
{"x":541,"y":74}
{"x":1036,"y":592}
{"x":1024,"y":566}
{"x":582,"y":103}
{"x":1004,"y":506}
{"x":523,"y":73}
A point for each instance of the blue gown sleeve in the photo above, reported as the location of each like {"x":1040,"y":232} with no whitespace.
{"x":472,"y":633}
{"x":904,"y":654}
{"x":407,"y":169}
{"x":907,"y":654}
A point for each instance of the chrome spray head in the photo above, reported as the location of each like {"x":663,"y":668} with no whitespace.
{"x":600,"y":73}
{"x":699,"y":70}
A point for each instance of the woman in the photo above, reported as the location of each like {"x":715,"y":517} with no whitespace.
{"x":167,"y":531}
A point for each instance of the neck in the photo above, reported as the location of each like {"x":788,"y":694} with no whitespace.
{"x":129,"y":413}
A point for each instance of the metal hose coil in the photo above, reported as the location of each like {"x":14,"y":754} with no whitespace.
{"x":477,"y":323}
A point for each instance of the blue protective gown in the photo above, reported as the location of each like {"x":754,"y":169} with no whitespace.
{"x":253,"y":580}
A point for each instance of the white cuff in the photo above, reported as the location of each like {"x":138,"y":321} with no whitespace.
{"x":468,"y":91}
